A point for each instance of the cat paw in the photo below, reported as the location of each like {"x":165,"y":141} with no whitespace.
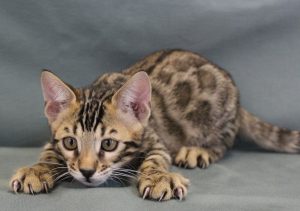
{"x":36,"y":179}
{"x":162,"y":186}
{"x":191,"y":157}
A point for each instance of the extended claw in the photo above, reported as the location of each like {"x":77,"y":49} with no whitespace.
{"x":162,"y":196}
{"x":30,"y":189}
{"x":178,"y":193}
{"x":45,"y":185}
{"x":186,"y":165}
{"x":16,"y":186}
{"x":179,"y":164}
{"x":146,"y":192}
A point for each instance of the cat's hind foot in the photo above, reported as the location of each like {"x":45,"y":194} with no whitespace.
{"x":191,"y":157}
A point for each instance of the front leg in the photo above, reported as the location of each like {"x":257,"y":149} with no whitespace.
{"x":41,"y":176}
{"x":155,"y":181}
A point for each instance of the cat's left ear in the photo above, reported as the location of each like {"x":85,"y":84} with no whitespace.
{"x":133,"y":98}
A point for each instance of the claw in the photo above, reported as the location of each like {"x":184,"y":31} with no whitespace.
{"x":179,"y":164}
{"x":16,"y":186}
{"x":162,"y":196}
{"x":186,"y":165}
{"x":30,"y":189}
{"x":146,"y":192}
{"x":178,"y":193}
{"x":45,"y":185}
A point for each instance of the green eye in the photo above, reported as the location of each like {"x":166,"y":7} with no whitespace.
{"x":109,"y":145}
{"x":70,"y":143}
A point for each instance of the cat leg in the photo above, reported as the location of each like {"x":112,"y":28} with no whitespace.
{"x":155,"y":181}
{"x":191,"y":157}
{"x":41,"y":176}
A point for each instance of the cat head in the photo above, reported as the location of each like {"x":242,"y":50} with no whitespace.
{"x":96,"y":133}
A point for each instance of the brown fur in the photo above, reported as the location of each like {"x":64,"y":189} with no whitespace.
{"x":195,"y":117}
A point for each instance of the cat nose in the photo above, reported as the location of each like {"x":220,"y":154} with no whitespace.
{"x":87,"y":173}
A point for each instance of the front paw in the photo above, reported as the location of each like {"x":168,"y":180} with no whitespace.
{"x":162,"y":186}
{"x":32,"y":180}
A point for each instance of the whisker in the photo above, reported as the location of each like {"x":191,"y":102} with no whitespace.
{"x":58,"y":168}
{"x":60,"y":176}
{"x":45,"y":162}
{"x":127,"y":173}
{"x":123,"y":170}
{"x":124,"y":175}
{"x":119,"y":180}
{"x":64,"y":178}
{"x":56,"y":173}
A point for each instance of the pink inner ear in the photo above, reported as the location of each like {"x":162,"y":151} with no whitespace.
{"x":54,"y":90}
{"x":53,"y":109}
{"x":56,"y":94}
{"x":136,"y":94}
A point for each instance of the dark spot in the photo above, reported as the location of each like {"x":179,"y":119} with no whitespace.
{"x":183,"y":64}
{"x":284,"y":137}
{"x":182,"y":92}
{"x":66,"y":129}
{"x":160,"y":59}
{"x":206,"y":80}
{"x":200,"y":115}
{"x":164,"y":76}
{"x":170,"y":124}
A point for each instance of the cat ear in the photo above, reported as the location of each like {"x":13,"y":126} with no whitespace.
{"x":57,"y":95}
{"x":133,"y":98}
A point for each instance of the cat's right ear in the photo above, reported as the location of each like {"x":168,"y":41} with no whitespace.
{"x":57,"y":95}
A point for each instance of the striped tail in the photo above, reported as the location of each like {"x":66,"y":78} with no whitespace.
{"x":268,"y":136}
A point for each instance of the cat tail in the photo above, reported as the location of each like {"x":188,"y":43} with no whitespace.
{"x":268,"y":136}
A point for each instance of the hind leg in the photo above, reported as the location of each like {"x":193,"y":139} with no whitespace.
{"x":191,"y":157}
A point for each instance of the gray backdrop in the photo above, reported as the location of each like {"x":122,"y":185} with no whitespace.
{"x":257,"y":41}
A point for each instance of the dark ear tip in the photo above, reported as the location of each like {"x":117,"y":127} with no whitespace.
{"x":46,"y":70}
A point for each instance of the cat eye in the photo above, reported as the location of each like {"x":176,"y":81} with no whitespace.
{"x":70,"y":143}
{"x":109,"y":145}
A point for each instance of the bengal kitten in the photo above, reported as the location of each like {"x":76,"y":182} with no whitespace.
{"x":116,"y":127}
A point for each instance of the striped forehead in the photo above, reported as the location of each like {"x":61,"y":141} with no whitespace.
{"x":92,"y":110}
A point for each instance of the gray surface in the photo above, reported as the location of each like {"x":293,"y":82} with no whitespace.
{"x":257,"y":41}
{"x":242,"y":181}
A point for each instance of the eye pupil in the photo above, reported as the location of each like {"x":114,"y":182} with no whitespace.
{"x":70,"y":143}
{"x":108,"y":143}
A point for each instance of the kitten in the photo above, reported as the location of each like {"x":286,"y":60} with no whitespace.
{"x":171,"y":107}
